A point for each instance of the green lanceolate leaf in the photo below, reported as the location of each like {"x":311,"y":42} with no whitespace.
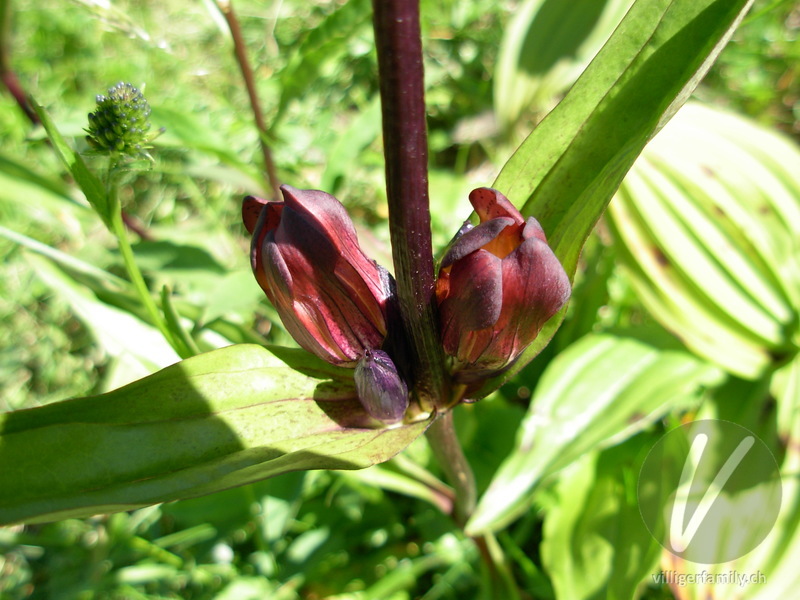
{"x":215,"y":421}
{"x":599,"y":390}
{"x":595,"y":543}
{"x":708,"y":226}
{"x":544,"y":49}
{"x":568,"y":169}
{"x":90,"y":185}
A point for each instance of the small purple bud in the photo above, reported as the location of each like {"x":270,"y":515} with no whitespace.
{"x":381,"y":390}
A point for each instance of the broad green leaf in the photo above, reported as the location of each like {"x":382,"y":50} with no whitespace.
{"x":568,"y":169}
{"x":546,"y":45}
{"x":595,"y":544}
{"x":598,"y":391}
{"x":785,"y":388}
{"x":215,"y":421}
{"x":90,"y":185}
{"x":708,"y":225}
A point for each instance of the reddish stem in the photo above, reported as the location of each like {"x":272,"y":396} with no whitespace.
{"x":240,"y":51}
{"x":399,"y":46}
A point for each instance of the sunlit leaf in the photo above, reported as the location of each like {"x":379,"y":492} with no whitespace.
{"x":708,"y":225}
{"x":215,"y":421}
{"x":117,"y":332}
{"x":595,"y":543}
{"x":598,"y":391}
{"x":545,"y":47}
{"x":568,"y":169}
{"x":770,"y":571}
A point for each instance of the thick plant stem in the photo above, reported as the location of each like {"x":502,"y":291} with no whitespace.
{"x":240,"y":51}
{"x":447,"y":449}
{"x":399,"y":46}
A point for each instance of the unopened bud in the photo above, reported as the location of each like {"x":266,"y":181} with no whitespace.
{"x":381,"y":390}
{"x":305,"y":255}
{"x":120,"y":121}
{"x":499,"y":283}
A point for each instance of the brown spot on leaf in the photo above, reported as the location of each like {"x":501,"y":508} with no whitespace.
{"x":660,"y":257}
{"x":635,"y":417}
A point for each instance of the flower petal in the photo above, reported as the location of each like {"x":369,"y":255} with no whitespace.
{"x":535,"y":287}
{"x":322,"y":212}
{"x":490,"y":204}
{"x":474,"y":304}
{"x":251,"y":210}
{"x":533,"y":229}
{"x":474,"y":239}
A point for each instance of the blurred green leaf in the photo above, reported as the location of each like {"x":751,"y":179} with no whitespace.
{"x":90,"y":185}
{"x":215,"y":421}
{"x":364,"y":129}
{"x":186,"y":130}
{"x":173,"y":322}
{"x":117,"y":332}
{"x":708,"y":225}
{"x":74,"y":264}
{"x":324,"y":45}
{"x":785,"y":388}
{"x":19,"y":173}
{"x":166,"y":255}
{"x":595,"y":544}
{"x":568,"y":169}
{"x":598,"y":391}
{"x":247,"y":588}
{"x":546,"y":46}
{"x":386,"y":479}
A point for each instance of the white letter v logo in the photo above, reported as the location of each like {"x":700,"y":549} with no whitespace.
{"x":679,"y":537}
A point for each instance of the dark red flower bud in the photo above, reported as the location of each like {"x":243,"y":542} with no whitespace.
{"x":305,"y":255}
{"x":499,"y":282}
{"x":381,"y":390}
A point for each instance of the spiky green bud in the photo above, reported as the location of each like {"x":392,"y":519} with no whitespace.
{"x":120,"y":122}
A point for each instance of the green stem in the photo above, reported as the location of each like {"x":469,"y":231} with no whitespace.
{"x":493,"y":555}
{"x":450,"y":456}
{"x":447,"y":449}
{"x":134,"y":274}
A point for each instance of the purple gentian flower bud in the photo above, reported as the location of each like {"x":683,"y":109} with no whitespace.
{"x":498,"y":284}
{"x":305,"y":255}
{"x":381,"y":390}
